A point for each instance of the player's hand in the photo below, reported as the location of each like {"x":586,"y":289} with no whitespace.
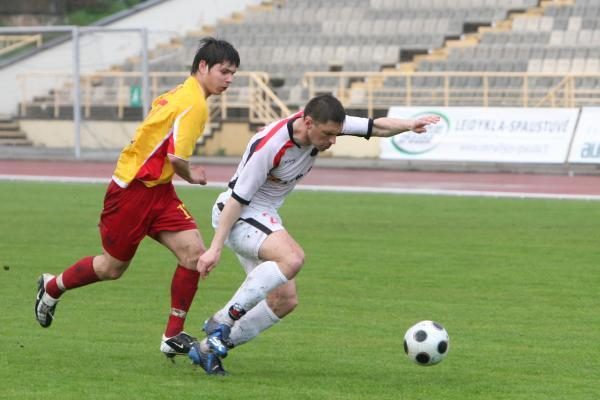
{"x":420,"y":125}
{"x":207,"y":262}
{"x":198,"y":176}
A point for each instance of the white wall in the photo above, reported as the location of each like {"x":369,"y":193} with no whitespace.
{"x":98,"y":135}
{"x":100,"y":51}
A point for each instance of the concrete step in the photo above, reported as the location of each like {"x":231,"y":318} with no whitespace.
{"x":15,"y":142}
{"x":9,"y":125}
{"x":6,"y":118}
{"x":12,"y":134}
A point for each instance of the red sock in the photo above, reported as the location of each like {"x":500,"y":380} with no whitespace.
{"x":183,"y":290}
{"x":79,"y":274}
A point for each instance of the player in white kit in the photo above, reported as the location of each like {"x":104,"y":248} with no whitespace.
{"x":246,"y":219}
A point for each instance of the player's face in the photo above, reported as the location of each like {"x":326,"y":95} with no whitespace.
{"x":323,"y":135}
{"x":218,"y":78}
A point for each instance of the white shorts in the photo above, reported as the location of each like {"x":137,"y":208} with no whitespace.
{"x":250,"y":231}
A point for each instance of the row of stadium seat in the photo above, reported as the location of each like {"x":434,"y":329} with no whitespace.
{"x":359,"y":35}
{"x":580,"y":9}
{"x":308,"y":15}
{"x":533,"y":65}
{"x":523,"y":52}
{"x":448,"y":4}
{"x":546,"y":23}
{"x":408,"y":4}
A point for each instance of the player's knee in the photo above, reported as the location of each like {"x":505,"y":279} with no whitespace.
{"x":112,"y":274}
{"x":294,"y":260}
{"x":189,"y":254}
{"x":110,"y":271}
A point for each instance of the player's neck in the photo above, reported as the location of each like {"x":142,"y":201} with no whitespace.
{"x":300,"y":132}
{"x":205,"y":93}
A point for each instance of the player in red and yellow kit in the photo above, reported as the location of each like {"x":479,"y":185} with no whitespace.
{"x":141,"y":200}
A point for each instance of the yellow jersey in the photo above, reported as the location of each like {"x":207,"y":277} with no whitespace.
{"x":173,"y":126}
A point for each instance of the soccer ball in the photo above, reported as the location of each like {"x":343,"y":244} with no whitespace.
{"x":426,"y":343}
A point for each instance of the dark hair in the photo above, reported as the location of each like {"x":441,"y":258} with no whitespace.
{"x":325,"y":108}
{"x":215,"y":51}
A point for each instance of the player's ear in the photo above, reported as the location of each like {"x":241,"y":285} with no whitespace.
{"x":203,"y":66}
{"x":308,"y":121}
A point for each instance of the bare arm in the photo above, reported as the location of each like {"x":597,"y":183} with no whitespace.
{"x":386,"y":127}
{"x":230,"y":214}
{"x":183,"y":170}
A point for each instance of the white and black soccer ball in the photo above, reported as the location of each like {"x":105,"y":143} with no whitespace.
{"x":426,"y":343}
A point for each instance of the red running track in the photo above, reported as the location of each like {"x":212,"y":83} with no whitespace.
{"x":490,"y":184}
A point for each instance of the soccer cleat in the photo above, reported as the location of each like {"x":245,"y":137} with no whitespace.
{"x":179,"y":344}
{"x":45,"y":305}
{"x":217,"y":336}
{"x":210,"y":362}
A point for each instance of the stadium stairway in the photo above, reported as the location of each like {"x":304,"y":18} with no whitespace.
{"x":559,"y":36}
{"x":11,"y":134}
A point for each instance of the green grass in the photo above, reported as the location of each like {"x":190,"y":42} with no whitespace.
{"x":88,"y":15}
{"x":515,"y":282}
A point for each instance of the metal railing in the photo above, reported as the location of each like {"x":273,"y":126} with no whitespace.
{"x":9,"y":43}
{"x":122,"y":90}
{"x":369,"y":91}
{"x":380,"y":90}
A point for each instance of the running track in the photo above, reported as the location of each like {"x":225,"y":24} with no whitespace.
{"x":586,"y":187}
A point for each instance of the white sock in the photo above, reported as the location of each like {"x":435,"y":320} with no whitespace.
{"x":259,"y":282}
{"x":49,"y":300}
{"x":260,"y":318}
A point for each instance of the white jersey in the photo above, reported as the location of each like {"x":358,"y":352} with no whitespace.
{"x":274,"y":163}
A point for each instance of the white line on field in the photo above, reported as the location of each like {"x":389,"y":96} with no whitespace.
{"x":331,"y":188}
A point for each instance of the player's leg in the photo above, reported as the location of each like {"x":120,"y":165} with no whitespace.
{"x":84,"y":272}
{"x":283,"y":300}
{"x":262,"y":316}
{"x":283,"y":260}
{"x":175,"y":228}
{"x":122,"y":228}
{"x":187,"y":247}
{"x":279,"y":303}
{"x":247,"y":239}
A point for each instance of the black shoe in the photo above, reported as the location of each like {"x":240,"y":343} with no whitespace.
{"x":45,"y":306}
{"x":177,"y":345}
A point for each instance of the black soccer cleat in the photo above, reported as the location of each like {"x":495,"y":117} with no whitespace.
{"x":177,"y":345}
{"x":45,"y":306}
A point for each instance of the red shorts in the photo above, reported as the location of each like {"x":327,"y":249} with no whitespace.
{"x":132,"y":213}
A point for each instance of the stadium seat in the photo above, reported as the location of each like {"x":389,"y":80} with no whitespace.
{"x":592,"y":65}
{"x":574,"y":24}
{"x":358,"y":35}
{"x":534,"y":66}
{"x":577,"y":65}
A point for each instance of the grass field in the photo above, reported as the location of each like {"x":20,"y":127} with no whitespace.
{"x":515,"y":282}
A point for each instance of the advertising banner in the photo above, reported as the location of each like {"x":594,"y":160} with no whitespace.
{"x":536,"y":135}
{"x":586,"y":143}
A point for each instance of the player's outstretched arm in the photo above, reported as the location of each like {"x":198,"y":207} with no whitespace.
{"x":386,"y":126}
{"x":230,"y":214}
{"x":182,"y":169}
